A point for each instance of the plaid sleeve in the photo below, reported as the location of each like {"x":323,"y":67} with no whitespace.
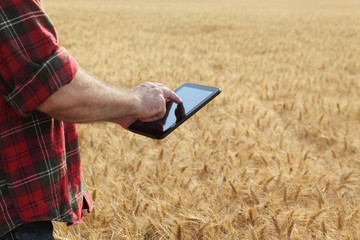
{"x":32,"y":64}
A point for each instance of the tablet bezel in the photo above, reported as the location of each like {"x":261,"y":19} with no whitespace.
{"x":214,"y":92}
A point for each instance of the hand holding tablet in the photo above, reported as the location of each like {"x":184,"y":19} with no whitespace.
{"x":194,"y":97}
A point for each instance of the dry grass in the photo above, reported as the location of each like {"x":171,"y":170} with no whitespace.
{"x":275,"y":156}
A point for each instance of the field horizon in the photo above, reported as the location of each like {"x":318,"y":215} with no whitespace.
{"x":274,"y":156}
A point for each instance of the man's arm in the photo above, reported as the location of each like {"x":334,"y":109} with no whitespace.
{"x":45,"y":77}
{"x":87,"y":99}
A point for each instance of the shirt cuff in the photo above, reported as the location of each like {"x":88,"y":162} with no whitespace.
{"x":56,"y":71}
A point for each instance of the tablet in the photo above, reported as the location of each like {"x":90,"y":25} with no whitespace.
{"x":194,"y":97}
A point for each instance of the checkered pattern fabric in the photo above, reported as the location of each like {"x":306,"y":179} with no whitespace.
{"x":40,"y":170}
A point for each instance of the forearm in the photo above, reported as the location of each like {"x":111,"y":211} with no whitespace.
{"x":86,"y":99}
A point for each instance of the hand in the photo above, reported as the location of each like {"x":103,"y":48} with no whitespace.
{"x":152,"y":101}
{"x":157,"y":125}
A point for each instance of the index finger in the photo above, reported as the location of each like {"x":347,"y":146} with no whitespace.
{"x":171,"y":96}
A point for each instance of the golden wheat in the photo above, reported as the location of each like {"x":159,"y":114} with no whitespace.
{"x":275,"y":156}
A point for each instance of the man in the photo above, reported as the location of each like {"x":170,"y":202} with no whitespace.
{"x":43,"y":93}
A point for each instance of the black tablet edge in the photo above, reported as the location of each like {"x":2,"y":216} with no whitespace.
{"x":202,"y":87}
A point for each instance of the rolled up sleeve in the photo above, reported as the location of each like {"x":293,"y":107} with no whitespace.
{"x":55,"y":72}
{"x":32,"y":64}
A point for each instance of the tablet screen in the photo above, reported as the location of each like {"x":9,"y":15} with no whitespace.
{"x":191,"y":97}
{"x":194,"y":97}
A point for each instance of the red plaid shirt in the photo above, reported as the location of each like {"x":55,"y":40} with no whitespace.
{"x":40,"y":170}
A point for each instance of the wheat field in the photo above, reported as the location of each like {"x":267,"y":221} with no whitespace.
{"x":274,"y":156}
